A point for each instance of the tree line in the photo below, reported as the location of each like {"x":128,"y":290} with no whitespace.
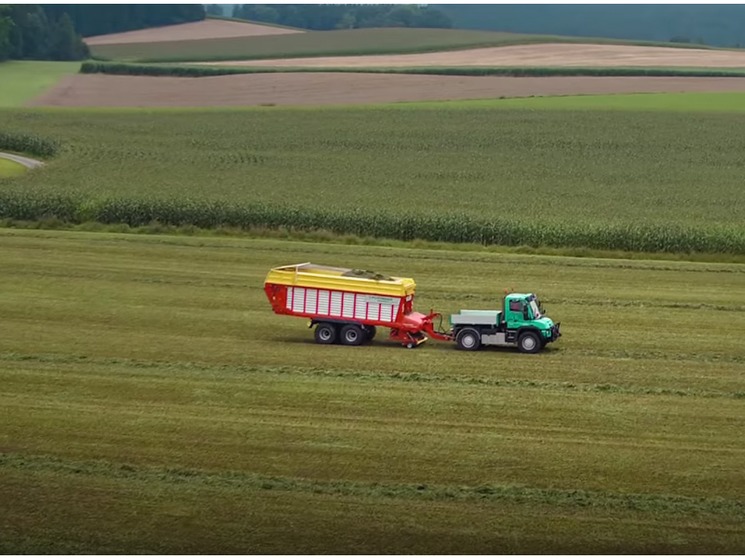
{"x":55,"y":31}
{"x":325,"y":17}
{"x":720,"y":25}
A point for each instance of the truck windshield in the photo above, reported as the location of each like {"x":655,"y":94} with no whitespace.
{"x":535,"y":309}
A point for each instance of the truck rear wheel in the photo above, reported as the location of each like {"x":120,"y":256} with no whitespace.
{"x":351,"y":334}
{"x":369,"y":333}
{"x":468,"y":339}
{"x":325,"y":333}
{"x":529,"y":342}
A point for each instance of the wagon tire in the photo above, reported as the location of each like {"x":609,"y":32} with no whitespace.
{"x":325,"y":333}
{"x":468,"y":339}
{"x":529,"y":342}
{"x":351,"y":334}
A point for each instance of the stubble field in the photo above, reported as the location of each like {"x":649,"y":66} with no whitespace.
{"x":154,"y":404}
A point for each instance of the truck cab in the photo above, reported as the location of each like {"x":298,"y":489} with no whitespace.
{"x":520,"y":323}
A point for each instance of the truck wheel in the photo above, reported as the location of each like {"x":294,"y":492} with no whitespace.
{"x":325,"y":333}
{"x":369,"y":333}
{"x":468,"y":339}
{"x":529,"y":342}
{"x":351,"y":334}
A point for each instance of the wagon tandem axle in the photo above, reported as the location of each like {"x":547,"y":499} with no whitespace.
{"x":347,"y":306}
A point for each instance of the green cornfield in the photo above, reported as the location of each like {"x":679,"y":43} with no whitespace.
{"x":624,"y":179}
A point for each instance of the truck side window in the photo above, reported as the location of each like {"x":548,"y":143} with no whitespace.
{"x":516,"y":306}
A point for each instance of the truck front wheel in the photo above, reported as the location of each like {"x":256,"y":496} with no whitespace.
{"x":325,"y":333}
{"x":529,"y":342}
{"x":468,"y":339}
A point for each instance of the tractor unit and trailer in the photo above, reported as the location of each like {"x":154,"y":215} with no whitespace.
{"x":348,"y":306}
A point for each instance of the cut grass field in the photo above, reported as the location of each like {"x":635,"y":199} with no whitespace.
{"x":154,"y":404}
{"x":609,"y":179}
{"x":23,"y":80}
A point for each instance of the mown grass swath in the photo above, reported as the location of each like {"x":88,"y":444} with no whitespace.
{"x":192,"y":71}
{"x":627,"y":180}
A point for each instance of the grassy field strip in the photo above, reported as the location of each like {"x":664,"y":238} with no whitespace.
{"x":149,"y":373}
{"x":153,"y":370}
{"x":339,"y":43}
{"x":218,"y":519}
{"x":10,"y":168}
{"x":727,"y":102}
{"x":516,"y":494}
{"x":317,"y":43}
{"x":330,"y":429}
{"x":24,"y":80}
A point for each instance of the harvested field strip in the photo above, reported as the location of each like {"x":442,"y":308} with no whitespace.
{"x":194,"y":31}
{"x":351,"y":42}
{"x":153,"y":402}
{"x":571,"y":498}
{"x":315,"y":43}
{"x":271,"y":89}
{"x":149,"y":367}
{"x":541,"y":55}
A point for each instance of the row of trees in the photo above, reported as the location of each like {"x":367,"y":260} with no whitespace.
{"x":329,"y":16}
{"x":100,"y":19}
{"x":55,"y":31}
{"x":28,"y":31}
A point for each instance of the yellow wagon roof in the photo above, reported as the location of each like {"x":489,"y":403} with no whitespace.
{"x":341,"y":279}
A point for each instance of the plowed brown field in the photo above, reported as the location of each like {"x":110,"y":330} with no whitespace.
{"x":551,"y":55}
{"x":206,"y":29}
{"x":322,"y":88}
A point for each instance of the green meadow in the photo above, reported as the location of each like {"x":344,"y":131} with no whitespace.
{"x":154,"y":404}
{"x":23,"y":80}
{"x":9,"y":169}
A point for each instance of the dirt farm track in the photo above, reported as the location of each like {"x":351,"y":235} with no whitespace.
{"x":95,"y":90}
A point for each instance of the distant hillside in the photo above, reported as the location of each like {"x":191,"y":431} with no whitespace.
{"x":718,"y":25}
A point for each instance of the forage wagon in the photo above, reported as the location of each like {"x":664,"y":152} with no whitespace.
{"x":347,"y":306}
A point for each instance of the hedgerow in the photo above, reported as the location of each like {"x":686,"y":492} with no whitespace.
{"x":120,"y":68}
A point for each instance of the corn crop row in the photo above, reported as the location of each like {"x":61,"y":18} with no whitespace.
{"x":402,"y":226}
{"x":28,"y":143}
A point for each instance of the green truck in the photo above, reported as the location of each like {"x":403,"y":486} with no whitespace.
{"x":521,"y":323}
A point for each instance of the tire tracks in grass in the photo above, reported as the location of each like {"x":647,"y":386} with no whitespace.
{"x":572,"y":498}
{"x":371,"y":376}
